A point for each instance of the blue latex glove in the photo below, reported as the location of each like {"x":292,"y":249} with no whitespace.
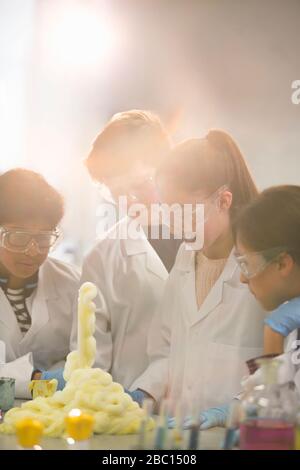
{"x":286,"y":318}
{"x":208,"y":419}
{"x":137,"y":395}
{"x":54,"y":374}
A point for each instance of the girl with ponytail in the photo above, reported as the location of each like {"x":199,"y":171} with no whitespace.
{"x":208,"y":324}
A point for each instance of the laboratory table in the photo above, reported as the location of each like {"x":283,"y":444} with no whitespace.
{"x":210,"y":439}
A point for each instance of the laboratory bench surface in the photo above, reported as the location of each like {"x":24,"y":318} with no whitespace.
{"x":210,"y":440}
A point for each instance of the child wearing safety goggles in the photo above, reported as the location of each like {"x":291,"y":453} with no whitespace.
{"x":36,"y":291}
{"x":267,"y":251}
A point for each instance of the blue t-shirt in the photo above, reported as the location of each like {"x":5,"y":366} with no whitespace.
{"x":286,"y":318}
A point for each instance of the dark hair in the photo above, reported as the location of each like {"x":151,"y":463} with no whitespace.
{"x":131,"y":135}
{"x":210,"y":162}
{"x":26,"y":195}
{"x":271,"y":221}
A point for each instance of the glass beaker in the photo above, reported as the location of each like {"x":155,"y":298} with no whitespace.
{"x":7,"y":393}
{"x":269,"y":409}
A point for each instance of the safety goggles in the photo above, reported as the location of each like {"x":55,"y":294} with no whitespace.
{"x":187,"y":221}
{"x":202,"y":208}
{"x":145,"y":186}
{"x":20,"y":241}
{"x":135,"y":186}
{"x":253,"y":263}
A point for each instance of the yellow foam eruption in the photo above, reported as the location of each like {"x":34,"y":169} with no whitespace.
{"x":90,"y":389}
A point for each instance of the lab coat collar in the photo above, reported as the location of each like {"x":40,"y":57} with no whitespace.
{"x":39,"y":306}
{"x":186,"y":263}
{"x":129,"y":246}
{"x":46,"y":283}
{"x":8,"y":320}
{"x":214,"y":297}
{"x":46,"y":292}
{"x":134,"y":246}
{"x":7,"y":316}
{"x":140,"y":246}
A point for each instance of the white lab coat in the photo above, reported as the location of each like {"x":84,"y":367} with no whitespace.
{"x":46,"y":343}
{"x":198,"y":356}
{"x":130,"y":279}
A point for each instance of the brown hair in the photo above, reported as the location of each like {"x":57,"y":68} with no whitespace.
{"x":272,"y":220}
{"x":26,"y":195}
{"x":211,"y":162}
{"x":130,"y":136}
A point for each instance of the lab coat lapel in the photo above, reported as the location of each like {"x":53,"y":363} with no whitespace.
{"x":186,"y":268}
{"x":214,"y":298}
{"x":141,"y":246}
{"x":40,"y":301}
{"x":155,"y":265}
{"x":9,"y":329}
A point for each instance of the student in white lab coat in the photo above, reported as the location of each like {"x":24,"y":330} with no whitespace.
{"x":267,"y":236}
{"x":37,"y":293}
{"x":128,"y":273}
{"x":267,"y":251}
{"x":209,"y":324}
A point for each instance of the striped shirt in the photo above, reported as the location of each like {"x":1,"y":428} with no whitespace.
{"x":17,"y":299}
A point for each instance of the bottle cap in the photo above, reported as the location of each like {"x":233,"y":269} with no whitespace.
{"x":29,"y":432}
{"x":79,"y":425}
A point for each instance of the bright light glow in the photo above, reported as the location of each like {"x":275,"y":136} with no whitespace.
{"x":79,"y":36}
{"x":70,"y":441}
{"x":75,"y":412}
